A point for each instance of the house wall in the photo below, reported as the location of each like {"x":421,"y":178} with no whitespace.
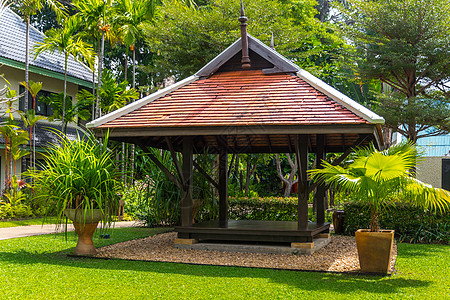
{"x":14,"y":77}
{"x":430,"y":171}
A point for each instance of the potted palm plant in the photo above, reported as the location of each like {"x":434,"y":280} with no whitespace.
{"x":376,"y":177}
{"x":78,"y":181}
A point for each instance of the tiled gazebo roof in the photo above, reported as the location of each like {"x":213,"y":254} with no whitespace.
{"x":253,"y":110}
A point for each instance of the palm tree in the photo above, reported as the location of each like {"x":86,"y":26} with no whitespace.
{"x":12,"y":134}
{"x":113,"y":95}
{"x":131,"y":17}
{"x":66,"y":41}
{"x":96,"y":15}
{"x":79,"y":110}
{"x":31,"y":118}
{"x":376,"y":177}
{"x":28,"y":8}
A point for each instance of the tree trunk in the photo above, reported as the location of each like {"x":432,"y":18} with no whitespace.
{"x":134,"y":67}
{"x":27,"y":54}
{"x":250,"y":171}
{"x":387,"y":136}
{"x":374,"y":217}
{"x":331,"y":198}
{"x":125,"y":67}
{"x":65,"y":91}
{"x":288,"y":182}
{"x":6,"y":158}
{"x":323,"y":9}
{"x":123,"y":162}
{"x":100,"y":67}
{"x":93,"y":93}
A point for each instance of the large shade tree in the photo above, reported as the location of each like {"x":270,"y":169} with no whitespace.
{"x":406,"y":45}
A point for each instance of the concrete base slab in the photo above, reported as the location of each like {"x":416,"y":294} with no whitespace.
{"x":271,"y":249}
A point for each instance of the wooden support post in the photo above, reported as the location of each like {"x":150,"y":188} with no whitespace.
{"x":301,"y":149}
{"x":186,"y":192}
{"x":223,"y":187}
{"x":320,"y":193}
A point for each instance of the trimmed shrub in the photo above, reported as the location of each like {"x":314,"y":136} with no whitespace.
{"x":268,"y":209}
{"x":411,"y":224}
{"x":262,"y":208}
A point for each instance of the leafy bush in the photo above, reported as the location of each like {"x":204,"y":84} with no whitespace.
{"x":145,"y":201}
{"x":411,"y":224}
{"x":9,"y":211}
{"x":268,"y":209}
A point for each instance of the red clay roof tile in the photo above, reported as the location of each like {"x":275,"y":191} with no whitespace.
{"x":240,"y":98}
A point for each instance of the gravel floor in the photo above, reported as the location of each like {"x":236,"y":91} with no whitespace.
{"x":340,"y":255}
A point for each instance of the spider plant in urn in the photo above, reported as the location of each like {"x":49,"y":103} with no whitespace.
{"x":375,"y":178}
{"x":78,"y":179}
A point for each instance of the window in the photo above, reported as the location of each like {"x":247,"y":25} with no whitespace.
{"x":42,"y":108}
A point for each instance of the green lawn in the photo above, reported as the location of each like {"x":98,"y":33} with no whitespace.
{"x":38,"y":268}
{"x":35,"y":221}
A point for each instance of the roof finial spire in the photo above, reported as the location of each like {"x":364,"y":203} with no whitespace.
{"x":272,"y":44}
{"x":244,"y":38}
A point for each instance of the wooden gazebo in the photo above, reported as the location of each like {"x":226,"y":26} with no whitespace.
{"x":249,"y":99}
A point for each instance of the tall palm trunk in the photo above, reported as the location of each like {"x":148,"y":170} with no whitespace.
{"x":27,"y":54}
{"x":125,"y":69}
{"x":100,"y":67}
{"x":6,"y":157}
{"x":134,"y":67}
{"x":65,"y":91}
{"x":132,"y":145}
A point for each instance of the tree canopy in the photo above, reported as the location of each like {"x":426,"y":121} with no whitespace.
{"x":186,"y":37}
{"x":406,"y":45}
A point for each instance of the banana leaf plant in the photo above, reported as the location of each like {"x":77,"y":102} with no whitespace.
{"x":376,"y":177}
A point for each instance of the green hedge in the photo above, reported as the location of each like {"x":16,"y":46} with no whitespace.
{"x":268,"y":208}
{"x":411,"y":224}
{"x":262,"y":208}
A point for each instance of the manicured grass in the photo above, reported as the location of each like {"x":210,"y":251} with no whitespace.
{"x":35,"y":221}
{"x":38,"y":268}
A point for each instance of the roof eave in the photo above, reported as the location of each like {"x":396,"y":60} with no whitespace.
{"x":340,"y":98}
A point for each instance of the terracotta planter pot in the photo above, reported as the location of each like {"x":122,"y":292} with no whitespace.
{"x":374,"y":250}
{"x":84,"y":227}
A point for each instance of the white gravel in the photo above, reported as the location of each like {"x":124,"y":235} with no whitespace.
{"x":340,"y":255}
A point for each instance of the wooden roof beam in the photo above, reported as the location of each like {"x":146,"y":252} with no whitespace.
{"x":206,"y":175}
{"x":175,"y":159}
{"x":161,"y":166}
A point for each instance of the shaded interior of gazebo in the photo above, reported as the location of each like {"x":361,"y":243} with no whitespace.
{"x":249,"y":99}
{"x":224,"y":229}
